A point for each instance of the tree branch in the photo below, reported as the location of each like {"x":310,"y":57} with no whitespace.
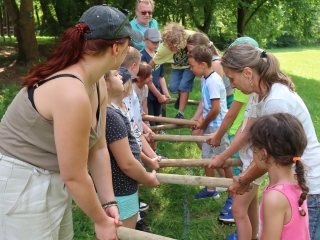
{"x":254,"y":12}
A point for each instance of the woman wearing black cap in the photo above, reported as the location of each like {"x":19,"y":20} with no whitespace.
{"x":54,"y":129}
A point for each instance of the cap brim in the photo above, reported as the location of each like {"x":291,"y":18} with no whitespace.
{"x":138,"y":47}
{"x":136,"y":36}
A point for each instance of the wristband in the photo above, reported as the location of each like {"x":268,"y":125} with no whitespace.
{"x":109,"y":204}
{"x":244,"y":185}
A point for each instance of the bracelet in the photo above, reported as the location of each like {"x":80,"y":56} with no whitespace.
{"x":244,"y":185}
{"x":109,"y":204}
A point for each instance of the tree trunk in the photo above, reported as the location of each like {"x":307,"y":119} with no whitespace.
{"x":25,"y":31}
{"x":47,"y":18}
{"x":241,"y":21}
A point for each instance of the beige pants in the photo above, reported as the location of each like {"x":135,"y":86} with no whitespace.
{"x":34,"y":203}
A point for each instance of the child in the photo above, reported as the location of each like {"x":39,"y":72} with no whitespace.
{"x":124,"y":150}
{"x":213,"y":108}
{"x":278,"y":141}
{"x":158,"y":92}
{"x":173,"y":50}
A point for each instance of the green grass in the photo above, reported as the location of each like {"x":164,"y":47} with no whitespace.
{"x":166,"y":214}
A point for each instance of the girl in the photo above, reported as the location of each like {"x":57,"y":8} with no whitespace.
{"x":277,"y":142}
{"x":54,"y":130}
{"x":255,"y":72}
{"x":124,"y":150}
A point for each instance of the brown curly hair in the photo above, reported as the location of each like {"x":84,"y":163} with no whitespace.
{"x":174,"y":35}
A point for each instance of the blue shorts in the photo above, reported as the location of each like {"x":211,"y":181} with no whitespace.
{"x":313,"y":201}
{"x":181,"y":80}
{"x":128,"y":205}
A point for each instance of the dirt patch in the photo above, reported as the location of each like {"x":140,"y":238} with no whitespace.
{"x":11,"y":71}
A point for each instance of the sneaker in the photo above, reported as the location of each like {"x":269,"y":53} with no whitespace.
{"x":142,"y":226}
{"x":180,"y":115}
{"x":177,"y":103}
{"x":227,"y":206}
{"x":143,"y":206}
{"x":233,"y":236}
{"x":227,"y":218}
{"x":159,"y":154}
{"x":142,"y":214}
{"x":204,"y":193}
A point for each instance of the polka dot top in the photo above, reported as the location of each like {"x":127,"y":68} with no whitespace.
{"x":118,"y":127}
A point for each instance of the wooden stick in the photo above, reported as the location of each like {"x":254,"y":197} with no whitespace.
{"x":196,"y":162}
{"x":167,"y":127}
{"x":124,"y":233}
{"x":179,"y":138}
{"x":169,"y":120}
{"x":194,"y":180}
{"x":190,"y":102}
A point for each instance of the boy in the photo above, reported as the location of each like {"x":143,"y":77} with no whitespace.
{"x":211,"y":110}
{"x":158,"y":91}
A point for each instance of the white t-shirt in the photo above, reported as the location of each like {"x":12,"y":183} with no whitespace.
{"x":141,"y":93}
{"x":134,"y":108}
{"x":212,"y":87}
{"x":281,"y":99}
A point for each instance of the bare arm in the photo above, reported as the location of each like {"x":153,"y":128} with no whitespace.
{"x":152,"y":163}
{"x":129,"y":165}
{"x":151,"y":63}
{"x":214,"y":111}
{"x":199,"y":112}
{"x":163,"y":86}
{"x":161,"y":98}
{"x":145,"y":106}
{"x":216,"y":66}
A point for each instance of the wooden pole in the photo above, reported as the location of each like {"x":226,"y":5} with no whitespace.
{"x":194,"y":180}
{"x":167,"y":127}
{"x":169,"y":120}
{"x":190,"y":102}
{"x":178,"y":138}
{"x":124,"y":233}
{"x":196,"y":162}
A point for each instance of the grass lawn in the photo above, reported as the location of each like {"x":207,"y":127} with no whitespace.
{"x":167,"y":214}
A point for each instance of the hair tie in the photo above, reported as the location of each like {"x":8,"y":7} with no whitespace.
{"x":263,"y":54}
{"x":79,"y":28}
{"x":295,"y":159}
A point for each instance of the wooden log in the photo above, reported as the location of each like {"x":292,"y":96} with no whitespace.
{"x":167,"y":127}
{"x":196,"y":162}
{"x":178,"y":138}
{"x":194,"y":180}
{"x":169,"y":120}
{"x":190,"y":102}
{"x":124,"y":233}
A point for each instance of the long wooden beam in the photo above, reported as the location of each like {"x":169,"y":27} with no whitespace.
{"x":169,"y":120}
{"x":190,"y":102}
{"x":178,"y":138}
{"x":194,"y":180}
{"x":196,"y":162}
{"x":167,"y":127}
{"x":124,"y":233}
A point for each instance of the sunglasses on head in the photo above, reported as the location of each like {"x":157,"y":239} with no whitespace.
{"x":145,"y":12}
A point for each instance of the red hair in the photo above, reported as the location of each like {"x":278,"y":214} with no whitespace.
{"x":72,"y":46}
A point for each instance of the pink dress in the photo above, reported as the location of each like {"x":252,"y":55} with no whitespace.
{"x":298,"y":226}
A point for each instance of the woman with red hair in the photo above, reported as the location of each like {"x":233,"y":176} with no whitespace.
{"x":55,"y":128}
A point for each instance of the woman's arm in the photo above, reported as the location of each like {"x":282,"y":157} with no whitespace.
{"x":274,"y":208}
{"x":231,"y":115}
{"x":72,"y":141}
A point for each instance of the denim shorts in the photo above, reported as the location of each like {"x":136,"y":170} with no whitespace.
{"x":313,"y":201}
{"x":128,"y":205}
{"x":181,"y":80}
{"x":207,"y":150}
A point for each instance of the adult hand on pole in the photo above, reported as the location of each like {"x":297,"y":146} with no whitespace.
{"x":237,"y":188}
{"x":217,"y":162}
{"x":113,"y":212}
{"x":106,"y":230}
{"x":212,"y":140}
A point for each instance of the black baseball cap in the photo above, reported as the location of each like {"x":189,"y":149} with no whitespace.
{"x":107,"y":22}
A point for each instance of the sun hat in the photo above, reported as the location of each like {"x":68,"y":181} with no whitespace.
{"x":126,"y":75}
{"x":152,"y":34}
{"x":107,"y":22}
{"x":245,"y":40}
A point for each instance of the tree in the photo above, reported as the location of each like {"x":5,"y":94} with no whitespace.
{"x":23,"y":22}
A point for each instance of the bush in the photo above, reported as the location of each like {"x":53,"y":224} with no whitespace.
{"x":7,"y":94}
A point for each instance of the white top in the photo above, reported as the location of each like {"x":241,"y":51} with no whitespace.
{"x":134,"y":108}
{"x":141,"y":93}
{"x":213,"y":87}
{"x":281,"y":99}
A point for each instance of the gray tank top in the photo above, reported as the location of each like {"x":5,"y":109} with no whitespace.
{"x":29,"y":137}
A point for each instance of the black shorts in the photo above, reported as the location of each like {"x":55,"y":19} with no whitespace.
{"x":154,"y":109}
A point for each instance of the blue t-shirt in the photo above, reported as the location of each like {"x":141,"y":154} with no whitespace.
{"x":157,"y":72}
{"x":136,"y":26}
{"x":212,"y":87}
